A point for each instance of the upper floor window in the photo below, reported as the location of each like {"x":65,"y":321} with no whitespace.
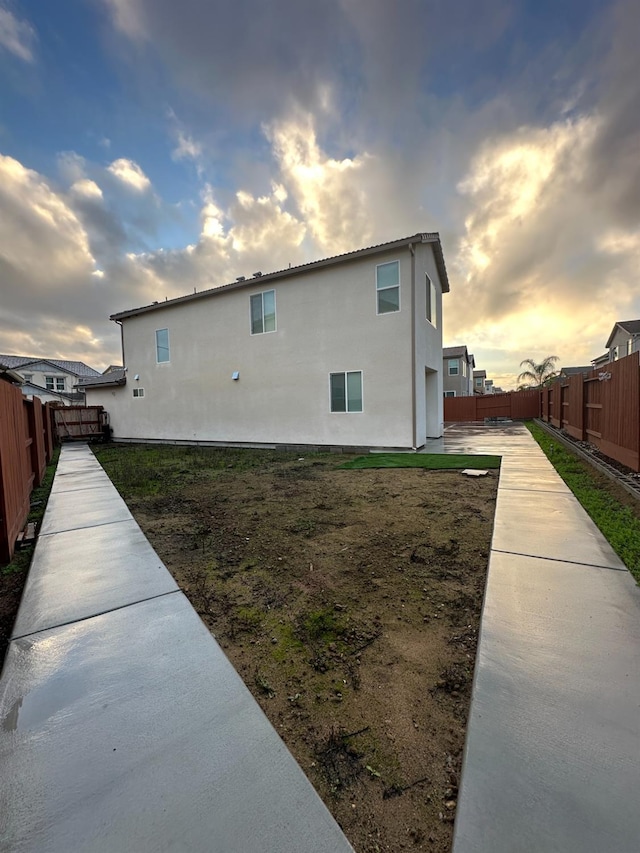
{"x":449,"y":393}
{"x":346,"y":391}
{"x":464,"y":367}
{"x":54,"y":383}
{"x":454,"y":367}
{"x":388,"y":287}
{"x":27,"y":377}
{"x":629,"y":346}
{"x":432,"y":304}
{"x":162,"y":345}
{"x":478,"y":383}
{"x":263,"y":312}
{"x":614,"y":354}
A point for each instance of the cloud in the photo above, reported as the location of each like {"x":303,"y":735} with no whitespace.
{"x":17,"y":36}
{"x":86,"y":188}
{"x":130,"y":173}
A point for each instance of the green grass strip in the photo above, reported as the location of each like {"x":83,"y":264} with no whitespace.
{"x":432,"y":461}
{"x":617,"y":522}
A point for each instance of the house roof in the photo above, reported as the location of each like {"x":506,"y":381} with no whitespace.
{"x":115,"y":376}
{"x":431,"y":237}
{"x":572,"y":371}
{"x":479,"y":374}
{"x":600,"y":359}
{"x":31,"y":387}
{"x":77,"y":368}
{"x":452,"y":352}
{"x":9,"y":375}
{"x":630,"y":326}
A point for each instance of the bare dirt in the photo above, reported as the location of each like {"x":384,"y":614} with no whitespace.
{"x":349,"y":602}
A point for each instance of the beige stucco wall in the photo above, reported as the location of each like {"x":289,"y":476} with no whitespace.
{"x":326,"y":322}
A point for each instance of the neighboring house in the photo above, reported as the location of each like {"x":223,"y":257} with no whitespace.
{"x":345,"y":351}
{"x":488,"y":386}
{"x":623,"y":340}
{"x":479,"y":380}
{"x":600,"y":361}
{"x":51,"y":379}
{"x":457,"y":372}
{"x":566,"y":372}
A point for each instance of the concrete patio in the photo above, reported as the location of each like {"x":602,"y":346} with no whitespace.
{"x":553,"y":741}
{"x":123,"y":725}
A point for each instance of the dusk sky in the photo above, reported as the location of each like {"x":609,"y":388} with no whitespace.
{"x":148,"y":147}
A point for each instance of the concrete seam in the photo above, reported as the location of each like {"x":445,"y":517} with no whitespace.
{"x":561,"y":560}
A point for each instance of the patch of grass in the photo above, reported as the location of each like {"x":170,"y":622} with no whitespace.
{"x":617,"y":522}
{"x":431,"y":461}
{"x":39,"y":497}
{"x":322,"y":626}
{"x":146,"y":470}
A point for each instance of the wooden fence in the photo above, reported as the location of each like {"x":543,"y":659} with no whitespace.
{"x":79,"y":422}
{"x":514,"y":404}
{"x":27,"y":440}
{"x":601,"y":407}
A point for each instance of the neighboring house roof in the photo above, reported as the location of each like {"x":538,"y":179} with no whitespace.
{"x":9,"y":375}
{"x":112,"y":368}
{"x":601,"y":359}
{"x":38,"y":390}
{"x":77,"y":368}
{"x":630,"y":326}
{"x":453,"y":352}
{"x":116,"y":376}
{"x":479,"y":374}
{"x":432,"y":237}
{"x":573,"y":371}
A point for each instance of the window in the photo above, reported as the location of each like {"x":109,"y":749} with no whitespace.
{"x":629,"y":346}
{"x":478,"y":383}
{"x":27,"y":377}
{"x":614,"y":354}
{"x":432,"y":305}
{"x":464,"y":367}
{"x":388,"y":287}
{"x":454,"y":366}
{"x":263,"y":312}
{"x":49,"y":383}
{"x":138,"y":392}
{"x":59,"y":383}
{"x":346,"y":391}
{"x":162,"y":346}
{"x":449,"y":393}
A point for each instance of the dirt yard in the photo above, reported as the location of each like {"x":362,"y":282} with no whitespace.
{"x":348,"y":601}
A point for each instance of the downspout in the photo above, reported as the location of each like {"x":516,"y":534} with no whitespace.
{"x":121,"y":340}
{"x":414,"y":406}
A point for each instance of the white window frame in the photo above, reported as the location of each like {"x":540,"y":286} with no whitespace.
{"x":629,"y":346}
{"x":49,"y":383}
{"x":431,"y":302}
{"x":449,"y":393}
{"x":478,"y":381}
{"x":457,"y":366}
{"x":139,"y":392}
{"x":379,"y":290}
{"x":261,"y":294}
{"x":28,"y":377}
{"x":168,"y":347}
{"x":60,"y":383}
{"x":345,"y":373}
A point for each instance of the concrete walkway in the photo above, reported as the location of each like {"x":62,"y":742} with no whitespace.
{"x":552,"y":758}
{"x":123,"y":727}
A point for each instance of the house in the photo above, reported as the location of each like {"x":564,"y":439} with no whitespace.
{"x":566,"y":372}
{"x":457,"y":372}
{"x":623,"y":340}
{"x":345,"y":351}
{"x":488,"y":386}
{"x":479,"y":381}
{"x":51,"y":379}
{"x":600,"y":361}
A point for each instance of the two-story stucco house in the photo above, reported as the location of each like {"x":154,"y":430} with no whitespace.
{"x":479,"y":380}
{"x":345,"y":351}
{"x":50,"y":379}
{"x":457,"y":372}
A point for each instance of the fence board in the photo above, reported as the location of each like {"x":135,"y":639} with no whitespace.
{"x":79,"y":421}
{"x":16,"y":475}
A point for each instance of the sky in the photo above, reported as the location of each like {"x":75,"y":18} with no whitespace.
{"x":149,"y":147}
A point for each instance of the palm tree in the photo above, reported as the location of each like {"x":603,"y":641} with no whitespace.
{"x":537,"y":375}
